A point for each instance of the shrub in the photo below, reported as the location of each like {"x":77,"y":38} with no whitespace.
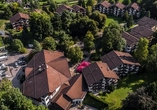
{"x":23,"y":50}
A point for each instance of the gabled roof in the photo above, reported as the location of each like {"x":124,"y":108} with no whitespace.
{"x":18,"y":16}
{"x":147,"y":22}
{"x":46,"y":71}
{"x":141,"y":31}
{"x":106,"y":4}
{"x":116,"y":58}
{"x":119,"y":5}
{"x":135,"y":6}
{"x":76,"y":90}
{"x":62,"y":8}
{"x":97,"y":71}
{"x":78,"y":8}
{"x":129,"y":38}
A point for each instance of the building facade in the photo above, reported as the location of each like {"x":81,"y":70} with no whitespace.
{"x":99,"y":77}
{"x":48,"y":81}
{"x":19,"y":20}
{"x":121,"y":62}
{"x":118,"y":9}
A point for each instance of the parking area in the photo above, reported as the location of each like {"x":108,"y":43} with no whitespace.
{"x":15,"y":68}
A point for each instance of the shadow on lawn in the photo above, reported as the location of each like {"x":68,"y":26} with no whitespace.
{"x":135,"y":81}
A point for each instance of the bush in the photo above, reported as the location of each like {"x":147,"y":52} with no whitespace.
{"x":23,"y":50}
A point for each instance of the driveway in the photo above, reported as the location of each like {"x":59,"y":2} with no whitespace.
{"x":13,"y":72}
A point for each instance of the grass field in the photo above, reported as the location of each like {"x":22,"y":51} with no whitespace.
{"x":113,"y":19}
{"x":3,"y":24}
{"x":127,"y":85}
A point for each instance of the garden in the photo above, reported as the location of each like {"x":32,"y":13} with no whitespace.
{"x":125,"y":86}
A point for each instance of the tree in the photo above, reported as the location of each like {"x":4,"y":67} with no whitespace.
{"x":126,"y":16}
{"x":130,"y":21}
{"x":112,"y":1}
{"x":90,"y":3}
{"x":127,"y":2}
{"x":148,"y":14}
{"x":99,"y":18}
{"x":5,"y":84}
{"x":141,"y":52}
{"x":56,"y":22}
{"x":49,"y":43}
{"x":139,"y":100}
{"x":65,"y":41}
{"x":66,"y":18}
{"x":151,"y":89}
{"x":82,"y":3}
{"x":52,"y":6}
{"x":75,"y":54}
{"x":88,"y":10}
{"x":37,"y":45}
{"x":40,"y":25}
{"x":17,"y":45}
{"x":112,"y":38}
{"x":152,"y":58}
{"x":98,"y":1}
{"x":12,"y":99}
{"x":7,"y":13}
{"x":80,"y":27}
{"x":89,"y":41}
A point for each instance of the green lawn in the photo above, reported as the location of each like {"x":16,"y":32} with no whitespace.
{"x":3,"y":24}
{"x":125,"y":86}
{"x":113,"y":19}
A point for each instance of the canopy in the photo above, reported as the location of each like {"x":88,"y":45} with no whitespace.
{"x":82,"y":65}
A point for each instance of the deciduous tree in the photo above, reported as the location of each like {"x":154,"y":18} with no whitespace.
{"x":75,"y":54}
{"x":152,"y":58}
{"x":17,"y":45}
{"x":89,"y":41}
{"x":141,"y":52}
{"x":139,"y":100}
{"x":49,"y":43}
{"x":40,"y":25}
{"x":37,"y":45}
{"x":99,"y":18}
{"x":112,"y":38}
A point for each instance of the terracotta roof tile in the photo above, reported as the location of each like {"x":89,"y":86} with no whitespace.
{"x":106,"y":4}
{"x":141,"y":31}
{"x":147,"y":22}
{"x":41,"y":83}
{"x":62,"y":8}
{"x":76,"y":90}
{"x":96,"y":71}
{"x":117,"y":58}
{"x":120,"y":5}
{"x":131,"y":40}
{"x":18,"y":16}
{"x":78,"y":8}
{"x":135,"y":6}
